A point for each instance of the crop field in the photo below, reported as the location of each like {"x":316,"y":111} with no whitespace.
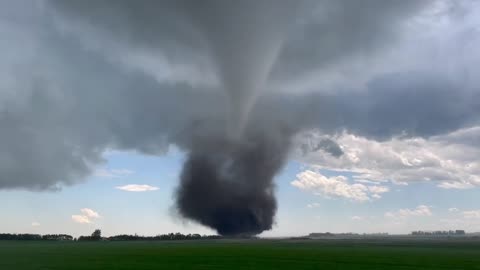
{"x":242,"y":254}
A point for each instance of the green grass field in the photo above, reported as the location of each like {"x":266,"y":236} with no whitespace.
{"x":254,"y":254}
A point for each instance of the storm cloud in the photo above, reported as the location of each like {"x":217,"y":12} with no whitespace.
{"x":79,"y":79}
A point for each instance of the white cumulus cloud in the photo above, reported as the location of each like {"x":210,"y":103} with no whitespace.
{"x":336,"y":186}
{"x":137,"y":188}
{"x":471,"y":214}
{"x":313,"y":205}
{"x":89,"y":213}
{"x":87,"y":216}
{"x":35,"y":224}
{"x":419,"y":211}
{"x":450,"y":160}
{"x":81,"y":219}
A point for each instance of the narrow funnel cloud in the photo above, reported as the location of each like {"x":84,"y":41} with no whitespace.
{"x":244,"y":39}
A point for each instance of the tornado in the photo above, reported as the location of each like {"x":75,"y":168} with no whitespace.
{"x":227,"y":182}
{"x":228,"y":186}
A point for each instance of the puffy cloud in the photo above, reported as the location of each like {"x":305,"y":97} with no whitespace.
{"x":471,"y":214}
{"x":89,"y":213}
{"x":137,"y":188}
{"x":453,"y":209}
{"x":419,"y":211}
{"x":450,"y":160}
{"x":313,"y":205}
{"x":357,"y":218}
{"x":87,"y":216}
{"x":81,"y":219}
{"x":336,"y":186}
{"x":35,"y":224}
{"x":378,"y":189}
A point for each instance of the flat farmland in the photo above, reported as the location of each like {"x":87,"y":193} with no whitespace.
{"x":242,"y":254}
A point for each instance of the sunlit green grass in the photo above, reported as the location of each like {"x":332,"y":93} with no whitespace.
{"x":260,"y":254}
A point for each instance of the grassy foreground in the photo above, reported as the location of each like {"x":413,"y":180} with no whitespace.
{"x":254,"y":254}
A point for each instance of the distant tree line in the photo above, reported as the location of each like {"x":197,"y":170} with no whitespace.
{"x":97,"y":236}
{"x":36,"y":237}
{"x":57,"y":237}
{"x":170,"y":236}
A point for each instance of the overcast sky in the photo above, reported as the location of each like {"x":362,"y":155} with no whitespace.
{"x":100,"y":105}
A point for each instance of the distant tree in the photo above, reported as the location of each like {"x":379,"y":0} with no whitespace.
{"x":97,"y":235}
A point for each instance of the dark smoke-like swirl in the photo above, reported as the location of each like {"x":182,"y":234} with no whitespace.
{"x":228,"y":186}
